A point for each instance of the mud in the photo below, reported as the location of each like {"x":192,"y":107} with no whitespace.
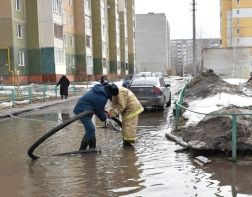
{"x":207,"y":83}
{"x":214,"y":132}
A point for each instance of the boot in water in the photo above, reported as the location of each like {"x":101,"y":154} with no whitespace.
{"x":92,"y":143}
{"x":84,"y":144}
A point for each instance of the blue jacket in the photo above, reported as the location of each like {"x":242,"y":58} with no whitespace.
{"x":95,"y":99}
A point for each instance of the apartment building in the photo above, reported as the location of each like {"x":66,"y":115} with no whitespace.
{"x":83,"y":40}
{"x":42,"y":40}
{"x":236,"y":23}
{"x":152,"y":42}
{"x":114,"y":38}
{"x":182,"y":54}
{"x":123,"y":37}
{"x":131,"y":26}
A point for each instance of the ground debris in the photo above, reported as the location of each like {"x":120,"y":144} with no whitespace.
{"x":214,"y":132}
{"x":201,"y":160}
{"x":207,"y":83}
{"x":249,"y":82}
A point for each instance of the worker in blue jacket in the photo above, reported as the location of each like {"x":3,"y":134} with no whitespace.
{"x":95,"y":99}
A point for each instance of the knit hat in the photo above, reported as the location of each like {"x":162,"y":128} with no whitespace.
{"x":112,"y":89}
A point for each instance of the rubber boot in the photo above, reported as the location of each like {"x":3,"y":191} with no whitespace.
{"x":126,"y":144}
{"x":92,"y":143}
{"x":84,"y":144}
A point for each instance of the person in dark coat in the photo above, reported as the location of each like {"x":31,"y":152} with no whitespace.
{"x":95,"y":99}
{"x":64,"y":84}
{"x":103,"y":81}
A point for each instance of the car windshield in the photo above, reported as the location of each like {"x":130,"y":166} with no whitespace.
{"x":145,"y":81}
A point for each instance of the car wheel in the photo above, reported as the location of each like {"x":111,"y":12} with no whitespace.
{"x":162,"y":108}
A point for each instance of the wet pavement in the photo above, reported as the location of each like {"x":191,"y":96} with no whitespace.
{"x":151,"y":168}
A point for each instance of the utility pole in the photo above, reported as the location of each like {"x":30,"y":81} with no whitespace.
{"x":194,"y":40}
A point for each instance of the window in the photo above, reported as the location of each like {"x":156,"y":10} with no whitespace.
{"x":87,"y":22}
{"x":58,"y":31}
{"x":87,"y":4}
{"x":70,"y":2}
{"x":103,"y":30}
{"x":237,"y":11}
{"x":18,"y":5}
{"x":59,"y":56}
{"x":238,"y":2}
{"x":238,"y":30}
{"x":19,"y":29}
{"x":89,"y":61}
{"x":70,"y":61}
{"x":65,"y":40}
{"x":88,"y":41}
{"x":71,"y":41}
{"x":103,"y":9}
{"x":103,"y":47}
{"x":57,"y":6}
{"x":21,"y":59}
{"x":70,"y":20}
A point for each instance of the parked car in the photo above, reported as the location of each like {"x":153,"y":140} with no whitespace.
{"x":127,"y":80}
{"x":152,"y":92}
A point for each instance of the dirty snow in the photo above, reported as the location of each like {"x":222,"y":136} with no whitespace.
{"x":211,"y":104}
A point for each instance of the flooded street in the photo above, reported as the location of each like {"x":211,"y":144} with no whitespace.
{"x":152,"y":168}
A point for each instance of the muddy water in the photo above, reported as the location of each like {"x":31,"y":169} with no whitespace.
{"x":152,"y":168}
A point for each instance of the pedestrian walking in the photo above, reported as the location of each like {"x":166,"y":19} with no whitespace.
{"x":95,"y":99}
{"x":126,"y":104}
{"x":64,"y":84}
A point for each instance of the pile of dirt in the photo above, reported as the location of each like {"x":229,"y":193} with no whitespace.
{"x":214,"y":132}
{"x":207,"y":83}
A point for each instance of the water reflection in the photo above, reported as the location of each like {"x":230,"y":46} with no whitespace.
{"x":62,"y":117}
{"x":151,"y":169}
{"x":235,"y":175}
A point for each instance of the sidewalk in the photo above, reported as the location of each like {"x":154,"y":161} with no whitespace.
{"x":16,"y":111}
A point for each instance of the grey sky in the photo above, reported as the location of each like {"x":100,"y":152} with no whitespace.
{"x":179,"y":16}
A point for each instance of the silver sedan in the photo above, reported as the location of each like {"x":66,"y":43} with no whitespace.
{"x":152,"y":92}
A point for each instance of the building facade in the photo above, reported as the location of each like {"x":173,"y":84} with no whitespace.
{"x":236,"y":23}
{"x":42,"y":40}
{"x":152,"y":43}
{"x":182,"y":54}
{"x":123,"y":38}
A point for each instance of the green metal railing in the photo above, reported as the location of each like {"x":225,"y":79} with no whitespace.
{"x":179,"y":105}
{"x":31,"y":94}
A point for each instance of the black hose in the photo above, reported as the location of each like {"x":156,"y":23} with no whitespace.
{"x":59,"y":127}
{"x":54,"y":130}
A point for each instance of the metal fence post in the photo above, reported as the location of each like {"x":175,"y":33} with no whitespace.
{"x":177,"y":116}
{"x":56,"y":92}
{"x":13,"y":97}
{"x":74,"y":89}
{"x":30,"y":94}
{"x":234,"y":136}
{"x":44,"y":92}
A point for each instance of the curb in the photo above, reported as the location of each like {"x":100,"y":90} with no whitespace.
{"x":16,"y":111}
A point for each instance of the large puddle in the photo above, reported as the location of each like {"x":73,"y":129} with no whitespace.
{"x":152,"y":168}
